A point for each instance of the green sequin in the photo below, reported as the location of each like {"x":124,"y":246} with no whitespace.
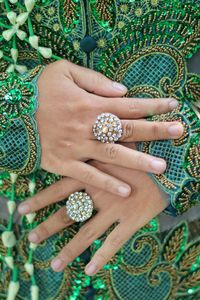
{"x":16,"y":97}
{"x":159,"y":266}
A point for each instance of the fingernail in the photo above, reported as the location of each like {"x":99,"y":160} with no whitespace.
{"x":23,"y":209}
{"x":91,"y":269}
{"x":56,"y":264}
{"x":33,"y":237}
{"x":158,"y":166}
{"x":124,"y":191}
{"x":119,"y":86}
{"x":173,"y":104}
{"x":176,"y":130}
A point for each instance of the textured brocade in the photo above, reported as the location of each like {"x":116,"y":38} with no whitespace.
{"x":160,"y":71}
{"x":19,"y":139}
{"x":145,"y":44}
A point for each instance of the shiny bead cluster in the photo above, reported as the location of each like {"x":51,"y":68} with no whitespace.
{"x":79,"y":206}
{"x":107,"y":128}
{"x":16,"y":97}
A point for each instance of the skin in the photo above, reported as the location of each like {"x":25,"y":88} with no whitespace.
{"x":130,"y":213}
{"x":71,"y":144}
{"x":65,"y":129}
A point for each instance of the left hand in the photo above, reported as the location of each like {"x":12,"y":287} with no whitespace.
{"x":144,"y":203}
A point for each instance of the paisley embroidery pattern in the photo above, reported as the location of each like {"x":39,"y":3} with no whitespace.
{"x":149,"y":261}
{"x":18,"y":104}
{"x":130,"y":37}
{"x":150,"y":67}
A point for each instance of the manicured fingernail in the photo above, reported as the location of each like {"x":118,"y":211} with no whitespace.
{"x":176,"y":130}
{"x":173,"y":104}
{"x":123,"y":190}
{"x":56,"y":264}
{"x":90,"y":269}
{"x":158,"y":166}
{"x":33,"y":237}
{"x":119,"y":86}
{"x":23,"y":209}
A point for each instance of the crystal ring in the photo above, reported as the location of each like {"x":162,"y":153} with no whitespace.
{"x":107,"y":128}
{"x":79,"y":206}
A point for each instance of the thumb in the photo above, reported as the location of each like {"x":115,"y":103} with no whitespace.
{"x":95,"y":82}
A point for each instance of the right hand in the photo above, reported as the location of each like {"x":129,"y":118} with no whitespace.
{"x":130,"y":214}
{"x":70,"y":99}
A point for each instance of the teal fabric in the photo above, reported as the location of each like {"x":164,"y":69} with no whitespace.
{"x":155,"y":38}
{"x":19,"y":138}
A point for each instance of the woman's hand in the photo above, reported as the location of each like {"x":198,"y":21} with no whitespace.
{"x":145,"y":202}
{"x":70,"y":98}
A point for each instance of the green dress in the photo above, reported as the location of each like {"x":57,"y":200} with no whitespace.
{"x":145,"y":44}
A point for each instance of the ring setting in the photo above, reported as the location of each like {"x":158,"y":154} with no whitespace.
{"x":79,"y":206}
{"x":107,"y":128}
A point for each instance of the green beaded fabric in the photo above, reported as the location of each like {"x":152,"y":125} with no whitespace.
{"x":146,"y":45}
{"x":19,"y":139}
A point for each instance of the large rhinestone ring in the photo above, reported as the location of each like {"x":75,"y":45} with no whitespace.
{"x":79,"y":206}
{"x":107,"y":128}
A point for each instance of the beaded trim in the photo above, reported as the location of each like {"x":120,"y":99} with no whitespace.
{"x":19,"y":141}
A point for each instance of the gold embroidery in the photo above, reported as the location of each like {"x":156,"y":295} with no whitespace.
{"x":138,"y":245}
{"x":194,"y":161}
{"x":171,"y":117}
{"x":149,"y":91}
{"x":165,"y":181}
{"x":189,"y":258}
{"x":174,"y":243}
{"x":189,"y":196}
{"x":70,"y":12}
{"x":189,"y":281}
{"x":172,"y":257}
{"x":165,"y":84}
{"x":33,"y":146}
{"x":154,"y":278}
{"x":105,"y":9}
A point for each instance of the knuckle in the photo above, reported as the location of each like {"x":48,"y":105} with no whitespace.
{"x":88,"y":177}
{"x":83,"y":104}
{"x":67,"y":254}
{"x":132,"y":105}
{"x":128,"y":131}
{"x":101,"y":258}
{"x":108,"y":184}
{"x":65,"y":221}
{"x":116,"y":242}
{"x":99,"y":78}
{"x":111,"y":151}
{"x":61,"y":63}
{"x":155,"y":129}
{"x":140,"y":161}
{"x":158,"y":105}
{"x":43,"y":231}
{"x":61,"y":191}
{"x":34,"y":202}
{"x":88,"y":232}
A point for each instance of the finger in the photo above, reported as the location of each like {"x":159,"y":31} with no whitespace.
{"x":122,"y":156}
{"x":89,"y":232}
{"x":54,"y":193}
{"x":52,"y":225}
{"x":112,"y":244}
{"x":134,"y":131}
{"x":95,"y":82}
{"x":129,"y":108}
{"x":90,"y":175}
{"x":130,"y":224}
